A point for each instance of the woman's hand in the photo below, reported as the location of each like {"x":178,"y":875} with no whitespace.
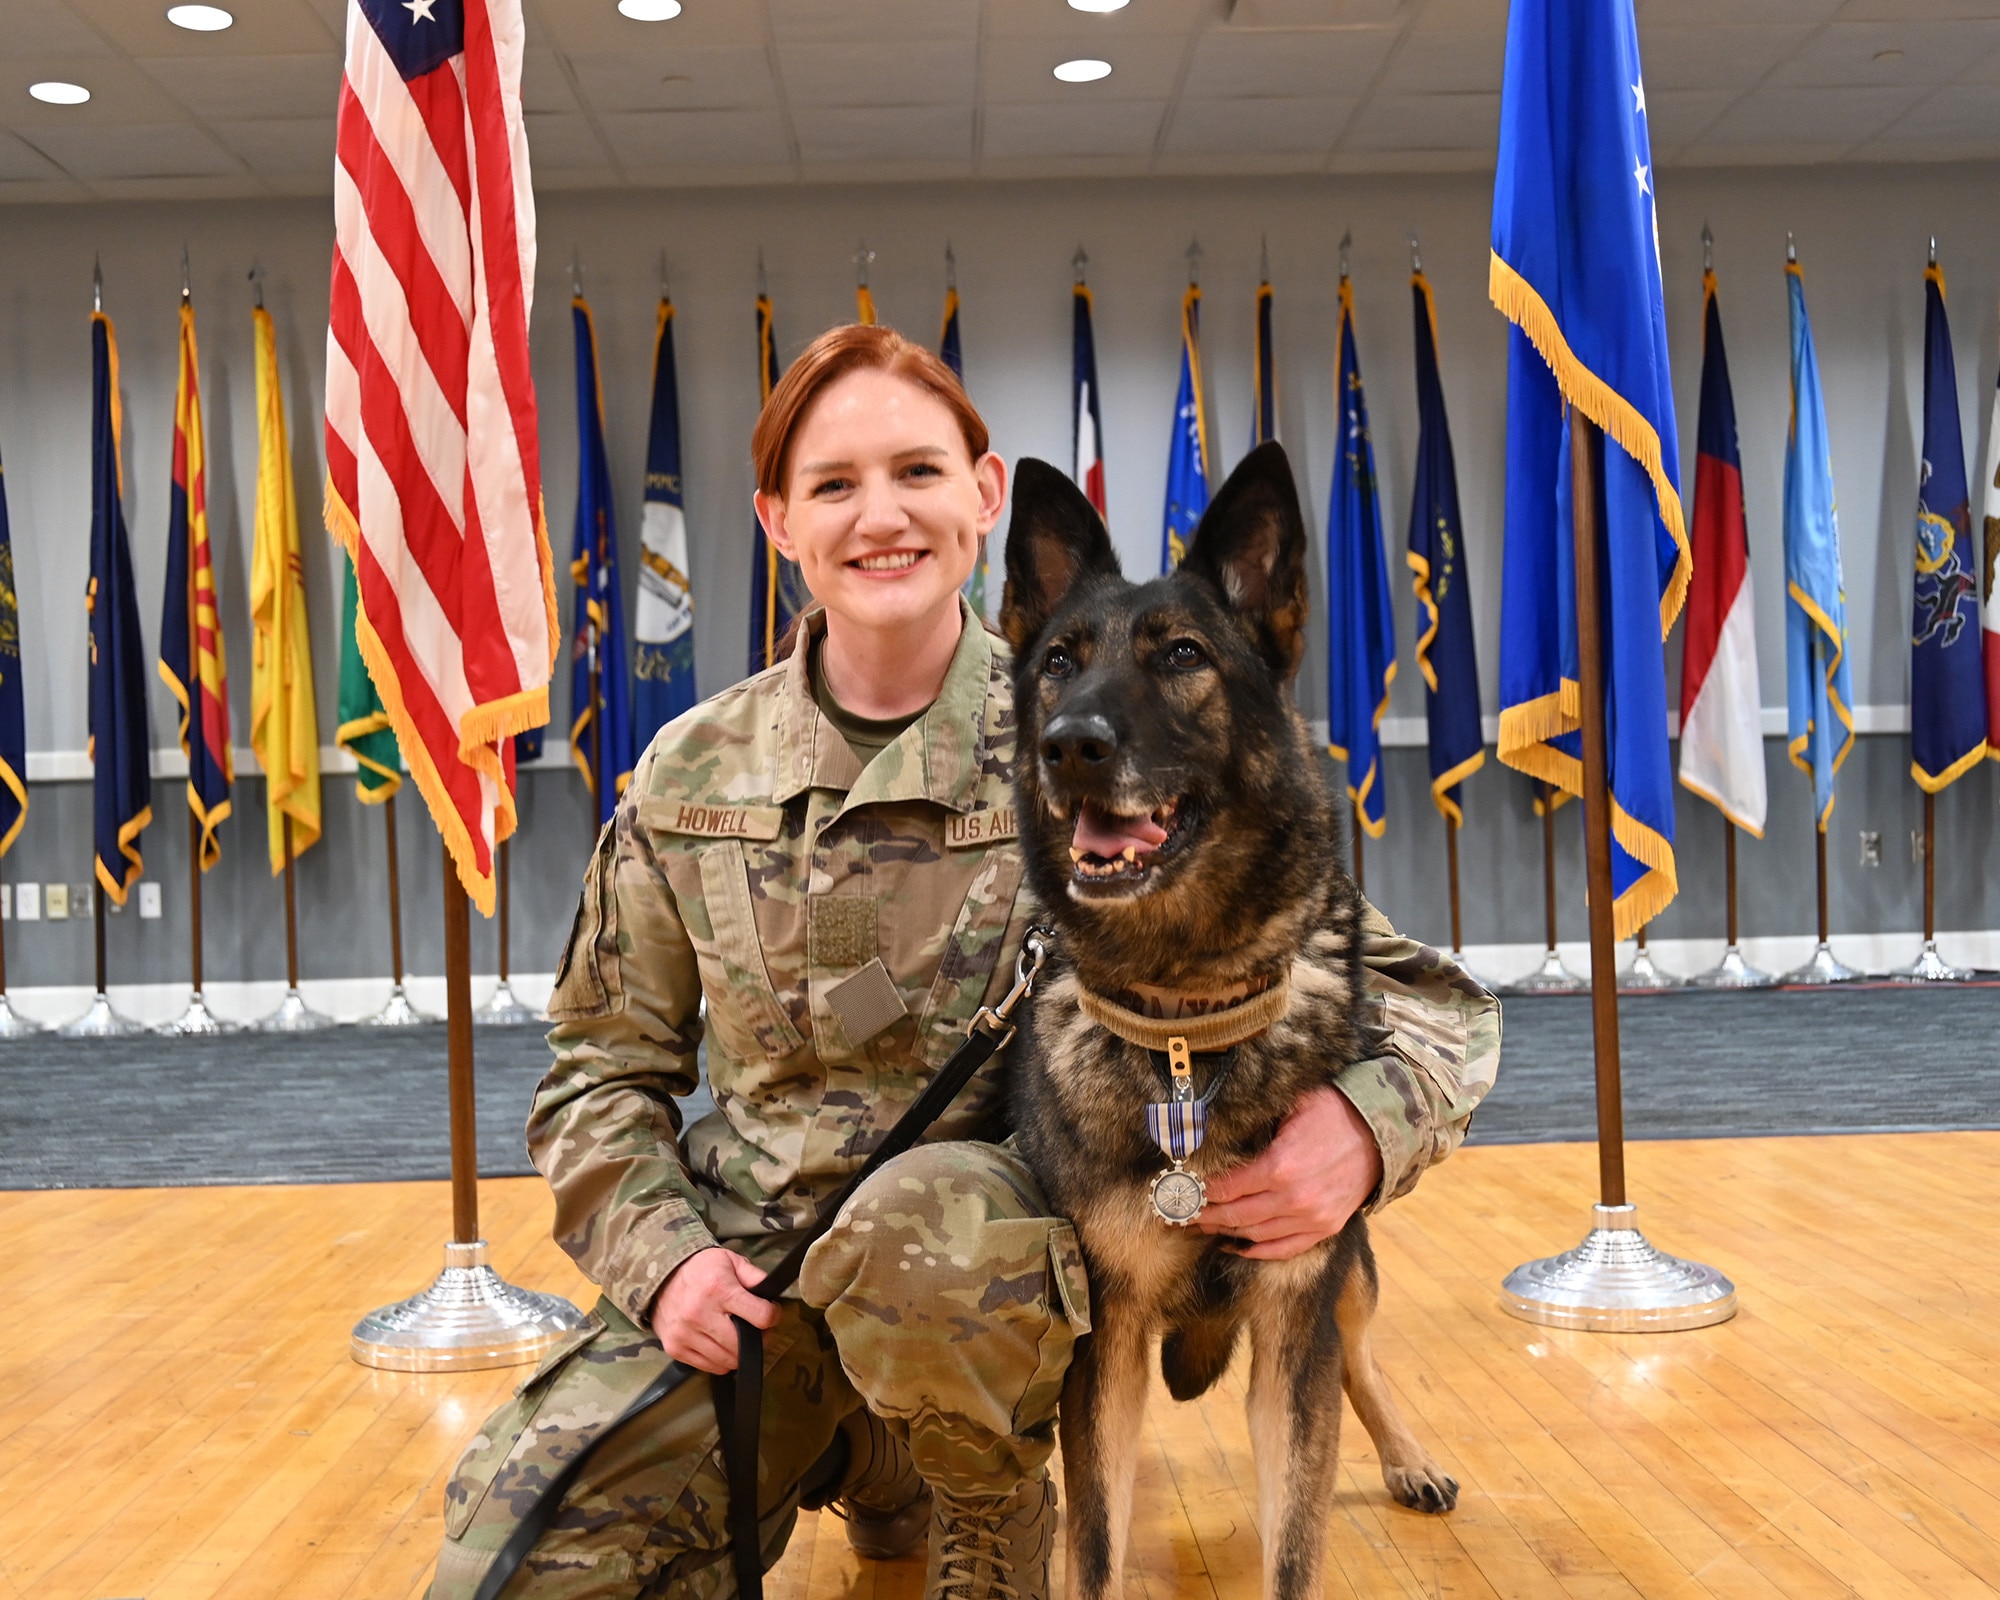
{"x":1318,"y":1171}
{"x":691,"y":1315}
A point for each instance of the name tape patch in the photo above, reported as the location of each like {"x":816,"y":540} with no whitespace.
{"x":979,"y":827}
{"x":712,"y":822}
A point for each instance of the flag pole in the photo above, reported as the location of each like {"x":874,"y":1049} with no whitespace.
{"x":293,"y":1014}
{"x":1615,"y":1281}
{"x":1930,"y":967}
{"x":1822,"y":966}
{"x":102,"y":1020}
{"x":1552,"y":976}
{"x":1645,"y":976}
{"x":504,"y":1010}
{"x":470,"y":1317}
{"x":1732,"y":971}
{"x":396,"y":1012}
{"x":12,"y":1024}
{"x":1360,"y":833}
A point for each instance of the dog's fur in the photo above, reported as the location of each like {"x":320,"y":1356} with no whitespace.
{"x":1116,"y":712}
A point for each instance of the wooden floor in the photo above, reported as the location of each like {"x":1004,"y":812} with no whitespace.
{"x":179,"y":1418}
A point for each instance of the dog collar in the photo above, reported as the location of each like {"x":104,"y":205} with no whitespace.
{"x":1205,"y":1035}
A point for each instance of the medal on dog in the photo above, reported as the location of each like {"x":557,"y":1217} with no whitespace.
{"x":1178,"y":1125}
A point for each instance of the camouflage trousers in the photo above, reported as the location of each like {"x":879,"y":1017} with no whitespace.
{"x":945,"y":1299}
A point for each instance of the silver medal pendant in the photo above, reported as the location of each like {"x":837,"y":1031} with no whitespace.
{"x":1178,"y":1196}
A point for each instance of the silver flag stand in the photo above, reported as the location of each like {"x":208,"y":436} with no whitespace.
{"x":1822,"y":966}
{"x":396,"y":1012}
{"x":1930,"y":967}
{"x":470,"y":1317}
{"x":12,"y":1024}
{"x":1644,"y":976}
{"x":503,"y":1010}
{"x":1616,"y":1280}
{"x":1551,"y":977}
{"x":1732,"y":971}
{"x":102,"y":1020}
{"x":197,"y":1021}
{"x":293,"y":1014}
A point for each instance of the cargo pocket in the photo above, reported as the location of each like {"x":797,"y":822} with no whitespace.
{"x":1067,"y":1303}
{"x":588,"y":982}
{"x":743,"y":1006}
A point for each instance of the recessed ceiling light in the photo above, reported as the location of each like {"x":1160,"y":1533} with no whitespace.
{"x":1888,"y":55}
{"x":59,"y":94}
{"x":1083,"y":70}
{"x":649,"y":10}
{"x":199,"y":19}
{"x":1099,"y":6}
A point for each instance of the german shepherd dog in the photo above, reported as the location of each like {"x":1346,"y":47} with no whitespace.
{"x":1179,"y":835}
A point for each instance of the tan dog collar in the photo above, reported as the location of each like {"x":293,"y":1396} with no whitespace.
{"x":1204,"y":1035}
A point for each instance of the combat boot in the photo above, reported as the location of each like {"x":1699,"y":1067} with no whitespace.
{"x":887,"y":1507}
{"x":993,"y":1547}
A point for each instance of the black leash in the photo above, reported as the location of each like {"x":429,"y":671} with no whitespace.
{"x":739,"y":1396}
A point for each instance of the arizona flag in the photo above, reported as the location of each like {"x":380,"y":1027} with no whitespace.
{"x":1722,"y":722}
{"x":1361,"y":622}
{"x":191,"y":657}
{"x":1187,"y":454}
{"x":1086,"y":424}
{"x":1947,"y":683}
{"x":663,"y":616}
{"x":604,"y":751}
{"x":1989,"y":615}
{"x":434,"y":476}
{"x":777,"y":588}
{"x":1576,"y":268}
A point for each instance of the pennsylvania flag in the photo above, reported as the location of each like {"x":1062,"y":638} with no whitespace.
{"x":1818,"y":687}
{"x":1187,"y":455}
{"x":365,"y":731}
{"x":1947,"y":683}
{"x":1443,"y":581}
{"x":191,"y":660}
{"x":600,"y":607}
{"x":1361,"y":624}
{"x":663,"y":615}
{"x":778,"y":590}
{"x":121,"y":738}
{"x":1086,"y":421}
{"x":13,"y":713}
{"x":1576,"y":268}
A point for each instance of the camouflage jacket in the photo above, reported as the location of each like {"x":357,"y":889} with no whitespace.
{"x":843,"y":927}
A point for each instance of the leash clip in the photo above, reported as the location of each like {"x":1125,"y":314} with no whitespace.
{"x":1036,"y":947}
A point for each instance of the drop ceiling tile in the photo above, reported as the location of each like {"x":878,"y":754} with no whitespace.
{"x":35,"y":28}
{"x":262,"y":28}
{"x":560,"y":141}
{"x":918,"y":72}
{"x":1054,"y":19}
{"x":1915,"y":10}
{"x":731,"y":79}
{"x":1259,"y":163}
{"x":883,"y":133}
{"x":1867,"y":54}
{"x":128,"y":150}
{"x":240,"y":187}
{"x":119,"y":92}
{"x":1412,"y":122}
{"x":1364,"y":161}
{"x":34,"y":191}
{"x":796,"y":22}
{"x":1311,"y":13}
{"x":1730,"y":13}
{"x":23,"y":162}
{"x":682,"y":139}
{"x":1470,"y":16}
{"x":1107,"y":128}
{"x":597,"y":25}
{"x":1714,"y":58}
{"x":1790,"y":117}
{"x":1675,"y":116}
{"x":1287,"y":61}
{"x":1960,"y":113}
{"x":1778,"y":153}
{"x":1464,"y":61}
{"x":239,"y":88}
{"x":282,"y":147}
{"x":1236,"y":127}
{"x":544,"y":85}
{"x":1143,"y":67}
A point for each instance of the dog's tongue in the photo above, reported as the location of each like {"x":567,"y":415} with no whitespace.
{"x":1100,"y":833}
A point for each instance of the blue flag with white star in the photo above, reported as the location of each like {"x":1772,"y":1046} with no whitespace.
{"x":1187,"y":455}
{"x":1576,"y":268}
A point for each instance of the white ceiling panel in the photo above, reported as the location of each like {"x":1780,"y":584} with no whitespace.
{"x":1675,"y":116}
{"x":1237,"y":127}
{"x":1143,"y":66}
{"x":919,"y":72}
{"x":1870,"y":54}
{"x":896,"y":22}
{"x":1110,"y":128}
{"x":722,"y":79}
{"x":19,"y":160}
{"x":1714,"y":58}
{"x":124,"y":150}
{"x":562,"y":141}
{"x":234,"y":88}
{"x":1810,"y":117}
{"x":545,"y":82}
{"x":1914,"y":10}
{"x":119,"y":92}
{"x":884,"y":133}
{"x":36,"y":28}
{"x":1291,"y":61}
{"x":578,"y":25}
{"x":1462,"y":16}
{"x":1731,"y":13}
{"x":1055,"y":19}
{"x":1461,"y":61}
{"x":1961,"y":113}
{"x":262,"y":28}
{"x":688,"y":138}
{"x":282,"y":147}
{"x":1426,"y":122}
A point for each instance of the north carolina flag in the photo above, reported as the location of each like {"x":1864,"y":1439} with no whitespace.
{"x":1989,"y":614}
{"x":1722,"y":719}
{"x":1187,"y":454}
{"x":778,"y":590}
{"x":1947,"y":687}
{"x":1264,"y":375}
{"x":1443,"y":581}
{"x":663,"y":615}
{"x":1360,"y":619}
{"x":1086,"y":424}
{"x":13,"y":711}
{"x":191,"y":655}
{"x":1818,"y":678}
{"x":364,"y":730}
{"x":598,"y":632}
{"x":1576,"y":268}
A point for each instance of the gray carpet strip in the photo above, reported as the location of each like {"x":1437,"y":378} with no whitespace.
{"x":353,"y":1104}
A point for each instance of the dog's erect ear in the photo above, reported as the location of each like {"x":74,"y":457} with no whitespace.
{"x":1055,"y":538}
{"x":1251,"y":543}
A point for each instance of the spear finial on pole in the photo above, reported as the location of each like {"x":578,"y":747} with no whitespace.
{"x":1079,"y":262}
{"x":1194,"y":263}
{"x":950,"y":267}
{"x":96,"y":284}
{"x":1346,"y":244}
{"x":1416,"y":256}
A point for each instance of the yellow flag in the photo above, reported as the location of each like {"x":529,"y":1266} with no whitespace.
{"x":284,"y":728}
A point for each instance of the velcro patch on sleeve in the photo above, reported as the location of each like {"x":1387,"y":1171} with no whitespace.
{"x":965,"y":830}
{"x":712,"y":821}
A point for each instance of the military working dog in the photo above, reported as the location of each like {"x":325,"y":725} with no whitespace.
{"x":1179,"y":835}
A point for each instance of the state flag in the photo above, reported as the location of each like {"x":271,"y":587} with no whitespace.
{"x":1086,"y":422}
{"x":600,"y":729}
{"x":778,"y":590}
{"x":1187,"y":450}
{"x":364,"y":730}
{"x":13,"y":710}
{"x":663,"y":615}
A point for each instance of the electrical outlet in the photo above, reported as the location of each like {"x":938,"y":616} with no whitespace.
{"x":81,"y":903}
{"x":1871,"y":848}
{"x":1916,"y":847}
{"x":56,"y":897}
{"x":28,"y":901}
{"x":149,"y":900}
{"x":6,"y":902}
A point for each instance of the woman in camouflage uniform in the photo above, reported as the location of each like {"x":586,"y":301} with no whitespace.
{"x":825,"y":852}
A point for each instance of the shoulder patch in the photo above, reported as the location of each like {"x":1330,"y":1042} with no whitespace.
{"x":962,"y":831}
{"x":711,"y":821}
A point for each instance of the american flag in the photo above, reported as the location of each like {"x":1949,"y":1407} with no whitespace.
{"x":433,"y":468}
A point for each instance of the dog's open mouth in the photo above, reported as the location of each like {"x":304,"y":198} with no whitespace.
{"x":1108,"y":849}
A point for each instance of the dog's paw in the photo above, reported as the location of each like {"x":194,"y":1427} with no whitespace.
{"x":1426,"y":1487}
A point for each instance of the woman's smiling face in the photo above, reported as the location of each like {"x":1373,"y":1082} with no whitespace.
{"x":882,"y":505}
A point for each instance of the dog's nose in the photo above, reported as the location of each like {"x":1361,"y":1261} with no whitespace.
{"x":1076,"y":741}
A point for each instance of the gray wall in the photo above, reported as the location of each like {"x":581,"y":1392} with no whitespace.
{"x":1861,"y":233}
